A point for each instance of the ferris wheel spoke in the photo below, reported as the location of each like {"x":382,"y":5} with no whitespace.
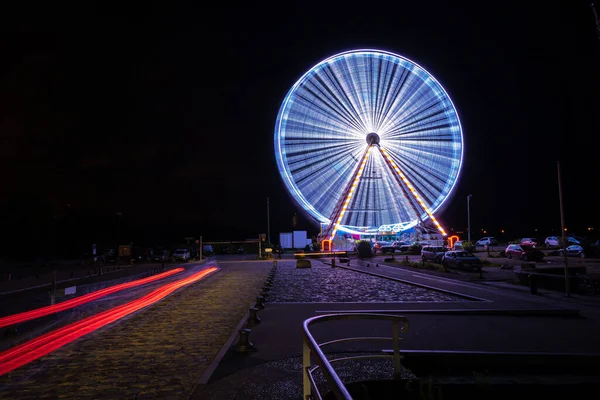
{"x":393,"y":87}
{"x":315,"y":167}
{"x":320,"y":110}
{"x":344,"y":95}
{"x":436,"y":167}
{"x":427,"y":184}
{"x":424,"y":125}
{"x":315,"y":151}
{"x":330,"y":95}
{"x":401,"y":104}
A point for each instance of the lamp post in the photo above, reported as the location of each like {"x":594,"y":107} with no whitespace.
{"x":564,"y":231}
{"x":469,"y":218}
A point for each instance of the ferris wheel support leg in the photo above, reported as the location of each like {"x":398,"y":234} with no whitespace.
{"x":394,"y":167}
{"x":340,"y":209}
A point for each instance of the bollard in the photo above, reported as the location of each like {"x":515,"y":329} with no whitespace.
{"x":377,"y":265}
{"x":260,"y":302}
{"x":253,"y":318}
{"x":368,"y":265}
{"x":532,"y":284}
{"x":244,"y":345}
{"x":348,"y":262}
{"x":274,"y":263}
{"x":480,"y":273}
{"x":333,"y":263}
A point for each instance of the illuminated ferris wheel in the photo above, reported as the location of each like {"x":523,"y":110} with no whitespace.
{"x":367,"y":141}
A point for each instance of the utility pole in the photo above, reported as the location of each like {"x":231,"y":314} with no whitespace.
{"x":259,"y":249}
{"x":268,"y":223}
{"x":564,"y":231}
{"x":200,"y":248}
{"x":469,"y":218}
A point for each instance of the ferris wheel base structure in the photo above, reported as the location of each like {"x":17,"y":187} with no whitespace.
{"x":367,"y":142}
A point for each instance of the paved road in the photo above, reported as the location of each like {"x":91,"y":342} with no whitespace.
{"x":437,"y":325}
{"x":159,"y":352}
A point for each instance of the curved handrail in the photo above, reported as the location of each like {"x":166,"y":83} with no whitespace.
{"x":311,"y":346}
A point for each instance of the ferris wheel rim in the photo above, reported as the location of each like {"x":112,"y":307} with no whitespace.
{"x":286,"y":174}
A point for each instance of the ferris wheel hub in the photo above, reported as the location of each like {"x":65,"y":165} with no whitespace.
{"x":372,"y":138}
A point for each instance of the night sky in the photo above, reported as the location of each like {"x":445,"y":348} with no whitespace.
{"x":167,"y":114}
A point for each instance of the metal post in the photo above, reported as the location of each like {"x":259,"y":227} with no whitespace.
{"x":268,"y":223}
{"x":53,"y":299}
{"x":396,"y":356}
{"x":564,"y":232}
{"x":305,"y":366}
{"x":469,"y":218}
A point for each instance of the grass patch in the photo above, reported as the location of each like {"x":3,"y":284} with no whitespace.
{"x":420,"y":265}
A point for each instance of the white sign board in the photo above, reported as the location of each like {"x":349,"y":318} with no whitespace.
{"x":285,"y":240}
{"x":299,"y":239}
{"x":70,"y":290}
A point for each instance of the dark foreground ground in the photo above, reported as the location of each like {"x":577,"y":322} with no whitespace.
{"x":183,"y":347}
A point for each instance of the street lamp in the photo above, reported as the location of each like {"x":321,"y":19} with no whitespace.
{"x":469,"y":218}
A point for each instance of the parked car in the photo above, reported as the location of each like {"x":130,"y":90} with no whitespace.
{"x":433,"y":253}
{"x":523,"y":252}
{"x":462,"y":260}
{"x":574,"y":250}
{"x":181,"y":255}
{"x":108,"y":256}
{"x":554,"y":241}
{"x":401,"y":246}
{"x":486,"y":241}
{"x":528,"y":241}
{"x":387,"y":248}
{"x":379,"y":245}
{"x":161,"y":255}
{"x":551,"y":241}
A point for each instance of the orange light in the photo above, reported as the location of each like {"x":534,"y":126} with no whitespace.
{"x":452,"y":240}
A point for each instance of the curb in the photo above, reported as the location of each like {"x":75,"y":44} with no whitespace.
{"x":219,"y":357}
{"x":464,"y":296}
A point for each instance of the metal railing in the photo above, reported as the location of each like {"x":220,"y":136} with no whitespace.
{"x":310,"y":346}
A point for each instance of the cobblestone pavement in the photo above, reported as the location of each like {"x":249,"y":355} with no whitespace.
{"x":159,"y":352}
{"x":321,"y":283}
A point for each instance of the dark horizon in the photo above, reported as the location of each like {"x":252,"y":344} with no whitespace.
{"x":169,"y":120}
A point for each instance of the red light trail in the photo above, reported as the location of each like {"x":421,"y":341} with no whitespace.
{"x":65,"y":305}
{"x":47,"y":343}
